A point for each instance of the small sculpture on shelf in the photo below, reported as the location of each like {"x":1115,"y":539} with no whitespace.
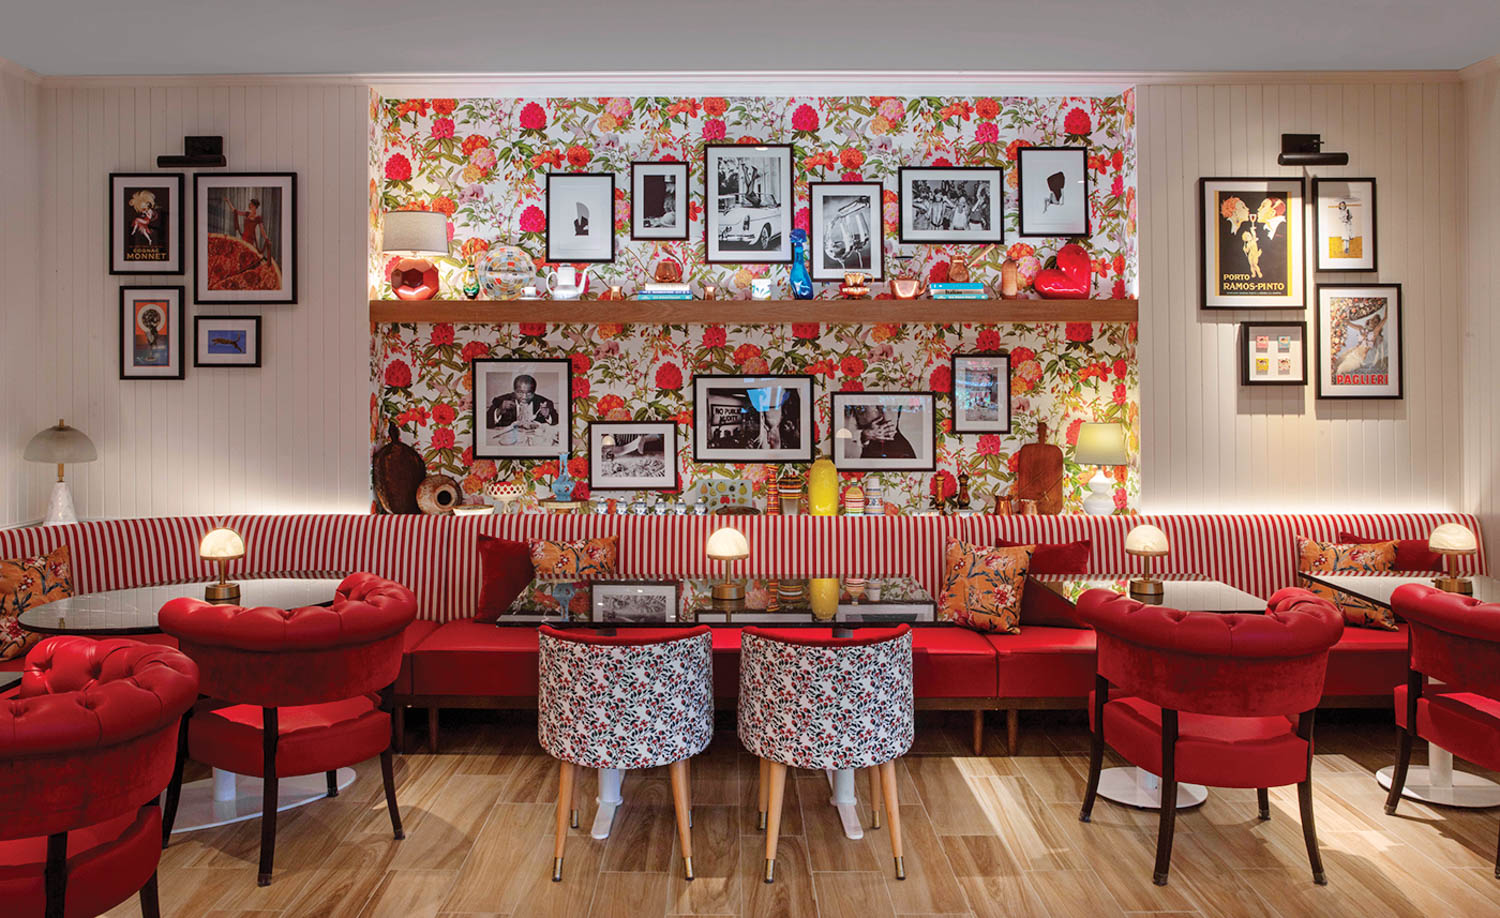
{"x":905,"y":285}
{"x":1071,"y":279}
{"x":470,"y":284}
{"x":562,"y":485}
{"x":1010,"y":279}
{"x":801,"y":280}
{"x":854,"y":286}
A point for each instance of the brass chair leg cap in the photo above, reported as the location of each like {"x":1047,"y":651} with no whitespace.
{"x":690,"y":817}
{"x":1160,"y":879}
{"x":687,"y":868}
{"x":770,"y":870}
{"x":557,"y":870}
{"x":400,"y":836}
{"x":900,"y":868}
{"x":761,"y":823}
{"x":1390,"y":809}
{"x":263,"y":879}
{"x":573,"y":819}
{"x":1320,"y":878}
{"x":875,"y":820}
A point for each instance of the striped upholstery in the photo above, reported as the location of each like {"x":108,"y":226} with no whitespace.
{"x":437,"y":557}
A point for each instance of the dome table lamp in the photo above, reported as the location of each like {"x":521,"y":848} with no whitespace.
{"x":60,"y":445}
{"x":415,"y":235}
{"x":222,"y":545}
{"x":1100,"y":444}
{"x":1146,"y":542}
{"x":1448,"y":540}
{"x":728,"y":544}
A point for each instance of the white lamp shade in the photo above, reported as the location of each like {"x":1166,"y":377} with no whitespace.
{"x":61,"y":444}
{"x":221,"y":545}
{"x":727,"y":544}
{"x":1146,"y":540}
{"x":415,"y":232}
{"x":1100,"y":443}
{"x":1453,"y":539}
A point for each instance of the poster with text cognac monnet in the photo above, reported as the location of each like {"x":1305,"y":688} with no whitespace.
{"x":1252,"y":243}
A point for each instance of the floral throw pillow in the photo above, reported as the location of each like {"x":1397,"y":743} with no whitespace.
{"x":1348,"y":558}
{"x":27,"y":582}
{"x":575,"y":558}
{"x":982,"y":586}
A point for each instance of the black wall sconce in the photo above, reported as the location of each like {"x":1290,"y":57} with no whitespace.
{"x":1307,"y":150}
{"x":200,"y":152}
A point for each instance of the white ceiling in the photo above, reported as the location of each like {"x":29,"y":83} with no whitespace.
{"x":75,"y":37}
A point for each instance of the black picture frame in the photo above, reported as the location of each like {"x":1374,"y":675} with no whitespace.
{"x":599,"y":590}
{"x":907,"y":232}
{"x":557,"y":179}
{"x":1073,"y":230}
{"x":253,"y":322}
{"x":1320,"y":241}
{"x":117,"y":208}
{"x":177,"y":296}
{"x":1294,"y":242}
{"x":1250,"y":331}
{"x":785,"y":211}
{"x":561,"y":398}
{"x":668,"y":430}
{"x":959,"y":426}
{"x":1321,"y":340}
{"x":875,"y":191}
{"x":807,"y":419}
{"x":915,"y":463}
{"x":638,"y":171}
{"x":203,"y":236}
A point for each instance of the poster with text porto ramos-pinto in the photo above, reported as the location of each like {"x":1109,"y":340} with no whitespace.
{"x":1252,"y":237}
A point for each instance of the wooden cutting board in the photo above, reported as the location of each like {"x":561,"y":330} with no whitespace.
{"x":397,"y":470}
{"x":1039,"y":473}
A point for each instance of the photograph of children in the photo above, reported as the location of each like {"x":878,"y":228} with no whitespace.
{"x":145,"y":229}
{"x":846,"y":230}
{"x":226,"y":341}
{"x":151,"y":331}
{"x":522,"y":408}
{"x":752,"y":419}
{"x":245,"y":237}
{"x":749,"y":191}
{"x":952,"y":204}
{"x":634,"y":602}
{"x":884,"y":431}
{"x":658,"y":200}
{"x":981,"y":393}
{"x":1054,"y":191}
{"x":1345,"y":209}
{"x":633,"y":456}
{"x":1359,"y":341}
{"x":1259,"y":340}
{"x":1252,"y":243}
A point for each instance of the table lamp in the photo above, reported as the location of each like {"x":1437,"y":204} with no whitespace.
{"x":1100,"y":444}
{"x":1146,"y":542}
{"x":1448,"y":540}
{"x":415,"y":235}
{"x":222,"y":545}
{"x":728,"y":544}
{"x":61,"y":445}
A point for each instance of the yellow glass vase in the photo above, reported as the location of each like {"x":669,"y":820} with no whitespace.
{"x":823,"y":488}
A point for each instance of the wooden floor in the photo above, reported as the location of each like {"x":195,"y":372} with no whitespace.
{"x":994,"y":835}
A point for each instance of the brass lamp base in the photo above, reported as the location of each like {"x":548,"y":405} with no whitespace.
{"x":1146,"y":589}
{"x":728,"y":591}
{"x":1454,"y":585}
{"x":222,"y":593}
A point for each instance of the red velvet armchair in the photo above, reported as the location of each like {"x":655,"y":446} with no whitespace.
{"x":86,"y":747}
{"x":293,"y":692}
{"x":1456,"y":640}
{"x":1222,"y":700}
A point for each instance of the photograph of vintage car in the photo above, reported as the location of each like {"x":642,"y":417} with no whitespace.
{"x":749,"y":207}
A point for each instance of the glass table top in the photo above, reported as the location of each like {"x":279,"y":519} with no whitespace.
{"x":134,"y":611}
{"x":1187,"y":594}
{"x":1377,"y":588}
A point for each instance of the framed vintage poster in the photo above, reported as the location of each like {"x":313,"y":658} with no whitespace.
{"x":580,"y":217}
{"x":981,"y":393}
{"x":633,"y":601}
{"x":885,"y":431}
{"x":959,"y":204}
{"x":1054,"y":191}
{"x":1273,"y":353}
{"x":767,"y":419}
{"x":523,"y":409}
{"x":1344,"y":224}
{"x":749,"y":201}
{"x":151,"y":331}
{"x":245,"y":237}
{"x":1359,"y":343}
{"x":847,"y":230}
{"x":226,"y":341}
{"x":633,"y":456}
{"x":145,"y":223}
{"x":659,"y":201}
{"x":1251,"y":243}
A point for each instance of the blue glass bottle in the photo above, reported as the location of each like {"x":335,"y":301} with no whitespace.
{"x":802,"y":286}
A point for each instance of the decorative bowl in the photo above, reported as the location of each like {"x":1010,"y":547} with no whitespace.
{"x":504,"y":271}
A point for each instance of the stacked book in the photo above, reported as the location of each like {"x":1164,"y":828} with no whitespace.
{"x":956,"y":291}
{"x":665,"y":292}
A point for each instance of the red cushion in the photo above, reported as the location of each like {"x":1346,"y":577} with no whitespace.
{"x":952,"y":662}
{"x":1045,"y":662}
{"x":726,"y":662}
{"x":1056,"y":557}
{"x":365,"y":609}
{"x":108,"y":863}
{"x":469,"y":657}
{"x":414,"y":634}
{"x":1366,"y":661}
{"x":506,"y":570}
{"x":1465,"y":724}
{"x":311,"y":737}
{"x":1042,"y":605}
{"x":1212,"y":750}
{"x":1411,"y":554}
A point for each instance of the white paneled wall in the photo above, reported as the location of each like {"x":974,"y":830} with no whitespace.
{"x":1481,"y":230}
{"x":22,"y":485}
{"x":290,"y":436}
{"x":1210,"y":444}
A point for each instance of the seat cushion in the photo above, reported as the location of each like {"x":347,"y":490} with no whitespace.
{"x":951,"y":662}
{"x":1045,"y":662}
{"x":1348,"y":558}
{"x":1465,"y":724}
{"x":311,"y":737}
{"x":469,"y":657}
{"x":505,"y":566}
{"x":27,"y":582}
{"x":1411,"y":554}
{"x":982,"y":586}
{"x":108,"y":863}
{"x":581,"y":558}
{"x":1366,"y":661}
{"x":1056,"y":557}
{"x":414,"y":635}
{"x":1217,"y":751}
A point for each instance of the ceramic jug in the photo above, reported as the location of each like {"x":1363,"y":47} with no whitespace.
{"x":567,"y":283}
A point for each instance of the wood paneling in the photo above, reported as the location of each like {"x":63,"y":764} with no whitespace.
{"x":1480,"y":225}
{"x":23,"y":485}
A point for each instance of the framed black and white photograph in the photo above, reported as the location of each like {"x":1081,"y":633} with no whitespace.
{"x":1358,"y":349}
{"x":226,"y":341}
{"x":1273,"y":353}
{"x":145,"y":222}
{"x":151,"y":332}
{"x":748,"y":192}
{"x":885,"y":431}
{"x":245,"y":237}
{"x":846,"y":229}
{"x":633,"y":456}
{"x":1344,"y":223}
{"x":580,"y":217}
{"x":766,"y":419}
{"x":1251,"y":243}
{"x":634,"y":602}
{"x":981,"y":393}
{"x":1054,"y":195}
{"x":659,"y":201}
{"x":522,"y":408}
{"x":963,"y":204}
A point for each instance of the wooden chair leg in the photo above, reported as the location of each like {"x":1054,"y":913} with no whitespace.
{"x":388,"y":778}
{"x":174,"y":787}
{"x":432,"y":731}
{"x":55,"y":875}
{"x":1013,"y":731}
{"x":564,"y":801}
{"x":270,"y":733}
{"x":1497,"y":860}
{"x":682,"y":803}
{"x":398,"y":729}
{"x":875,"y":794}
{"x":1398,"y":778}
{"x":977,"y":740}
{"x":1263,"y":799}
{"x":893,"y":814}
{"x":150,"y":901}
{"x":1168,"y":822}
{"x":765,"y":790}
{"x":1096,"y":749}
{"x":1305,"y":801}
{"x":776,"y":779}
{"x":573,"y":807}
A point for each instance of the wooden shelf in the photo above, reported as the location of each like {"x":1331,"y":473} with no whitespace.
{"x":751,"y":312}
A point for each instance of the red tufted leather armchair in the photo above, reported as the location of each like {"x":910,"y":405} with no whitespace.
{"x":86,"y":747}
{"x":1222,"y":700}
{"x":293,"y":691}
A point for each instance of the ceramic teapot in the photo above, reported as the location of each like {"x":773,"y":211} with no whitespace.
{"x":567,"y":282}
